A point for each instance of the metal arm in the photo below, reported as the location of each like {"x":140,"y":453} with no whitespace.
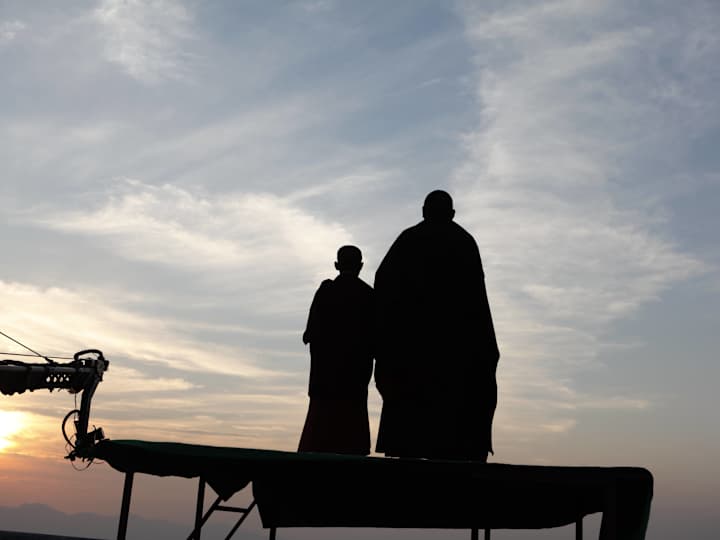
{"x":83,"y":374}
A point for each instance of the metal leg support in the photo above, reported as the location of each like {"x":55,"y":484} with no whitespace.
{"x":487,"y":534}
{"x":579,"y":529}
{"x":273,"y":533}
{"x":240,"y":521}
{"x":608,"y":525}
{"x":200,"y":520}
{"x":199,"y":509}
{"x":125,"y":507}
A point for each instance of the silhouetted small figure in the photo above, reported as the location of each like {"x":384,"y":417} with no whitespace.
{"x":339,"y":331}
{"x":436,"y":350}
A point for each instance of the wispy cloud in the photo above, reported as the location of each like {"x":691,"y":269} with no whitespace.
{"x":63,"y":320}
{"x":256,"y":235}
{"x":147,"y":39}
{"x":548,"y":190}
{"x":168,"y":380}
{"x":317,"y":5}
{"x":348,"y":185}
{"x":9,"y":30}
{"x":127,"y":380}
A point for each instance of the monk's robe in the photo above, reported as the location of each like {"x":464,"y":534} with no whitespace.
{"x":436,"y":353}
{"x":339,"y":331}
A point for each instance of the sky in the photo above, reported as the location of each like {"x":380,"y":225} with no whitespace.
{"x":177,"y":177}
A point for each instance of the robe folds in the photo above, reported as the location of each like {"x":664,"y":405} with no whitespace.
{"x":339,"y":331}
{"x":436,"y":353}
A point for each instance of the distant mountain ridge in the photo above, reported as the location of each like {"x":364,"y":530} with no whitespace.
{"x":43,"y":519}
{"x":13,"y":535}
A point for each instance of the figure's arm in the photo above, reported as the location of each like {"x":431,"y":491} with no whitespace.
{"x":388,"y":282}
{"x":386,"y":271}
{"x":313,"y":322}
{"x":489,"y":327}
{"x":483,"y":306}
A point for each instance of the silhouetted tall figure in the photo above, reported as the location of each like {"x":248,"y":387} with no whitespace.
{"x":339,"y":331}
{"x":436,"y":355}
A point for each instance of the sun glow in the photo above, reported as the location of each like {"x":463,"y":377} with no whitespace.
{"x":11,"y":423}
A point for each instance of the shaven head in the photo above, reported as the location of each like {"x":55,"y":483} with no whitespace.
{"x":438,"y":206}
{"x":349,"y":260}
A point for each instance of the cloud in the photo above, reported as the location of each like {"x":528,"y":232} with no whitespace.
{"x":9,"y":30}
{"x":349,"y":185}
{"x":166,"y":381}
{"x":245,"y":374}
{"x":317,"y":5}
{"x":147,"y":39}
{"x":253,"y":420}
{"x":63,"y":320}
{"x":254,"y":235}
{"x":127,"y":380}
{"x":547,"y":188}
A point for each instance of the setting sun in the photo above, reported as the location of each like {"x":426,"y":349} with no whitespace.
{"x":11,"y":422}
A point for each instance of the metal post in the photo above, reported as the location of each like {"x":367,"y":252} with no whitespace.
{"x":240,"y":521}
{"x":475,"y":533}
{"x":579,"y":529}
{"x":125,"y":506}
{"x":273,"y":532}
{"x":608,"y":525}
{"x":199,"y":508}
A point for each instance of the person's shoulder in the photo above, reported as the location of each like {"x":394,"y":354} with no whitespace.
{"x":365,"y":287}
{"x":459,"y":229}
{"x":411,"y":234}
{"x":363,"y":292}
{"x":326,"y":285}
{"x":414,"y":229}
{"x":353,"y":283}
{"x":411,"y":231}
{"x":461,"y":232}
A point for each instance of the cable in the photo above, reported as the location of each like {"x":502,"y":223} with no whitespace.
{"x":34,"y":355}
{"x":67,"y":416}
{"x":85,"y":468}
{"x":26,"y":347}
